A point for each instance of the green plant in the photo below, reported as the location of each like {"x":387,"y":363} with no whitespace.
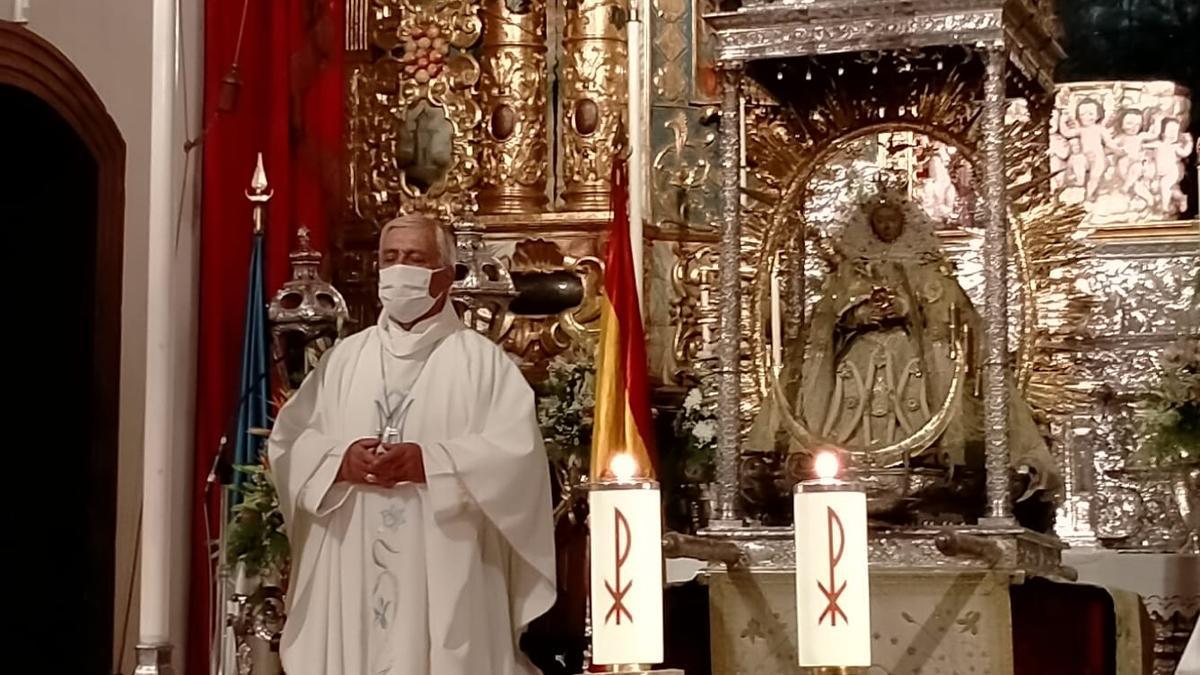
{"x":565,"y":408}
{"x":1171,"y":422}
{"x":257,"y":537}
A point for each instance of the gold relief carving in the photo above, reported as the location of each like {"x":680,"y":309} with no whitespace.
{"x":670,"y":41}
{"x":534,"y":339}
{"x":706,"y":81}
{"x":594,"y":96}
{"x":670,"y":78}
{"x":412,"y":111}
{"x":683,"y":174}
{"x":513,"y":157}
{"x":670,"y":10}
{"x":694,"y":314}
{"x":670,"y":82}
{"x":548,"y":223}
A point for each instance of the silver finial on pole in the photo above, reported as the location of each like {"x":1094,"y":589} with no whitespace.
{"x":259,"y":193}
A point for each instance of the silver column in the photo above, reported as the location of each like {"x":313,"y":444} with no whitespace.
{"x":995,"y":288}
{"x":729,"y":327}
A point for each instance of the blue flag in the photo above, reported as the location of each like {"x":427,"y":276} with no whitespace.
{"x":253,"y":403}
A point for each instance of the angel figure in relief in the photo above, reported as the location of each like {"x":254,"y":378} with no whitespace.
{"x":1132,"y":142}
{"x":1169,"y":150}
{"x":1094,"y":140}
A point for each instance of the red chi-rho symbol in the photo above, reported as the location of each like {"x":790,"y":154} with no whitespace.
{"x":834,"y":591}
{"x":615,"y":590}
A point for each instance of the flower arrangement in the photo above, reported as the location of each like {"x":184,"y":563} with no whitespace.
{"x":696,"y":425}
{"x":564,"y":408}
{"x":257,"y":536}
{"x":1171,"y":424}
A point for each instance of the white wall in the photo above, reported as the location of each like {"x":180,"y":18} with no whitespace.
{"x":110,"y":41}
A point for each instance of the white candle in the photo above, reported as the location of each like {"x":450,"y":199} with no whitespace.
{"x":776,"y":318}
{"x":636,"y":126}
{"x":833,"y":601}
{"x":626,"y":571}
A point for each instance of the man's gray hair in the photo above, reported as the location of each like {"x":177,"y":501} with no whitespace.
{"x":445,"y":238}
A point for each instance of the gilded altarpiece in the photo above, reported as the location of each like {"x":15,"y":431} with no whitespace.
{"x":514,"y":164}
{"x":447,"y":97}
{"x":413,"y":118}
{"x":448,"y":112}
{"x":684,"y":189}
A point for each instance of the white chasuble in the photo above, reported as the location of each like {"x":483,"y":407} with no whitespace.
{"x":433,"y":579}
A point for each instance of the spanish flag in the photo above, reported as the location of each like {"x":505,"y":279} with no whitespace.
{"x":622,"y":423}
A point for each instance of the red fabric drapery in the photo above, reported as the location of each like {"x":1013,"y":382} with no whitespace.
{"x":290,"y":108}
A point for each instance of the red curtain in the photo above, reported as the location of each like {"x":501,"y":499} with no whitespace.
{"x":289,"y":106}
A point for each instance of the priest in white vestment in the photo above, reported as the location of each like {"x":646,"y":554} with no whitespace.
{"x":415,"y":488}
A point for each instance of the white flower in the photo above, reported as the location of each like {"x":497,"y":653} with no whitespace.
{"x":692,"y":401}
{"x":705,"y":431}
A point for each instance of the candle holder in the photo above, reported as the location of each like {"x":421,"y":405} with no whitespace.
{"x":833,"y":601}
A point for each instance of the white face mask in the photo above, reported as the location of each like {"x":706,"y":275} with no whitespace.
{"x":404,"y":292}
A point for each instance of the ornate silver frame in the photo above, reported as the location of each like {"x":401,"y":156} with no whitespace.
{"x":1018,"y":32}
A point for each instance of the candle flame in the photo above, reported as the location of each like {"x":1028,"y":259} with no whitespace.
{"x":623,"y":466}
{"x":826,"y":465}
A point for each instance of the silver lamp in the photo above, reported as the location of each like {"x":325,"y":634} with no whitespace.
{"x":307,"y":315}
{"x":483,"y":287}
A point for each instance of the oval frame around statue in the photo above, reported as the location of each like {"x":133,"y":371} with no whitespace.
{"x":777,"y":235}
{"x":780,"y":224}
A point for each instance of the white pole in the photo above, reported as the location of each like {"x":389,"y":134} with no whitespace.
{"x":157,"y":464}
{"x":776,"y":318}
{"x":637,"y":174}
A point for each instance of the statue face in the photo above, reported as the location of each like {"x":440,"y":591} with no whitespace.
{"x":887,"y":222}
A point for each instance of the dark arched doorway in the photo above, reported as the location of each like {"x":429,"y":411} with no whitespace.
{"x":62,"y":210}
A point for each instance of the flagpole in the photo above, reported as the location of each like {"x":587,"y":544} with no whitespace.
{"x":250,"y":411}
{"x":637,"y":176}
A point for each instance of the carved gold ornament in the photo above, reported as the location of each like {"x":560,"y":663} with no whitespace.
{"x":412,"y":110}
{"x":536,"y":338}
{"x":513,"y":156}
{"x":683,"y":174}
{"x":694,"y":314}
{"x":594,"y":89}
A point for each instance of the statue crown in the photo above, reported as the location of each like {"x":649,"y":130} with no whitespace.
{"x":888,"y":190}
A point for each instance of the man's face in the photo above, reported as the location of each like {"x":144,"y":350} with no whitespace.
{"x":887,"y":223}
{"x":415,"y":246}
{"x":418,"y":247}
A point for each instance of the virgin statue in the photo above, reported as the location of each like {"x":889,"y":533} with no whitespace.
{"x":891,"y":369}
